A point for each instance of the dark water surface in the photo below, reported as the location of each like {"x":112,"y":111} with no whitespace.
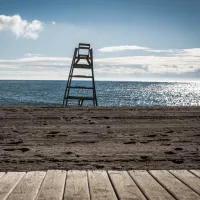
{"x":50,"y":93}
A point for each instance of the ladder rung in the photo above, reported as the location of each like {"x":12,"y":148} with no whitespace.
{"x":84,"y":48}
{"x":81,"y":76}
{"x":79,"y":97}
{"x":81,"y":56}
{"x":80,"y":87}
{"x":82,"y":66}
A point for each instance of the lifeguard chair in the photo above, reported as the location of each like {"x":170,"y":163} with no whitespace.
{"x":81,"y":54}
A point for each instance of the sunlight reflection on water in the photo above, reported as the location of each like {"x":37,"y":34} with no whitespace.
{"x":50,"y":93}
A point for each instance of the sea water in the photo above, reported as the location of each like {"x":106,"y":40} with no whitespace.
{"x":109,"y":93}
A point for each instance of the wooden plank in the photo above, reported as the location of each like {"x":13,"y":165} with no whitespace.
{"x":1,"y":174}
{"x":149,"y":186}
{"x":80,"y":87}
{"x":188,"y":178}
{"x":52,"y":187}
{"x":83,"y":66}
{"x":81,"y":76}
{"x":125,"y":186}
{"x":196,"y":172}
{"x":100,"y":186}
{"x":82,"y":57}
{"x":173,"y":185}
{"x":80,"y":97}
{"x":8,"y":183}
{"x":84,"y":48}
{"x":28,"y":187}
{"x":76,"y":186}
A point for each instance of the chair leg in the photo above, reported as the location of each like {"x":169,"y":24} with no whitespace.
{"x":80,"y":102}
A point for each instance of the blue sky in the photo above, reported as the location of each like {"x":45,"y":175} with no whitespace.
{"x":142,"y":40}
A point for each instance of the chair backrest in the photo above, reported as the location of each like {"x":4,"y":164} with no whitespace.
{"x":84,"y":46}
{"x":83,"y":49}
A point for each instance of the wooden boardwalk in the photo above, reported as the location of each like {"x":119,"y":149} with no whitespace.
{"x":100,"y":185}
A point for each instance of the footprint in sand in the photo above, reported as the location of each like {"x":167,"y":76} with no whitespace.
{"x":130,"y":142}
{"x":9,"y":149}
{"x":178,"y":161}
{"x":171,"y":131}
{"x":144,"y":158}
{"x":68,"y":152}
{"x":116,"y":168}
{"x":80,"y":164}
{"x":169,"y":152}
{"x":21,"y":149}
{"x":144,"y":142}
{"x":24,"y":149}
{"x":98,"y":166}
{"x":53,"y":132}
{"x":165,"y":135}
{"x":16,"y":142}
{"x":153,"y":135}
{"x":178,"y":149}
{"x":84,"y":132}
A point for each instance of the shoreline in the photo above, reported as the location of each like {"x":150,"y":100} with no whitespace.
{"x":107,"y":138}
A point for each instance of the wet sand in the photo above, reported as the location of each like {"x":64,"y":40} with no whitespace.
{"x":34,"y":138}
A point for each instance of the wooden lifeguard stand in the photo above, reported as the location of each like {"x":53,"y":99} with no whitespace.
{"x":88,"y":58}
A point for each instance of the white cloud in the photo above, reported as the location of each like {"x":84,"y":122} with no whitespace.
{"x":189,"y":52}
{"x":20,"y":27}
{"x":133,"y":48}
{"x":143,"y":64}
{"x":173,"y":69}
{"x":163,"y":51}
{"x":122,"y":48}
{"x":186,"y":61}
{"x":32,"y":55}
{"x":53,"y":22}
{"x":149,"y":60}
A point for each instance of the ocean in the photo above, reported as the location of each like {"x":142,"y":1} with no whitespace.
{"x":109,"y":93}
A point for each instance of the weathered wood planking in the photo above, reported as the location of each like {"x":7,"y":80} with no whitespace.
{"x":196,"y":172}
{"x":100,"y":186}
{"x":188,"y":178}
{"x":125,"y":186}
{"x":8,"y":183}
{"x":76,"y":186}
{"x":1,"y":174}
{"x":149,"y":186}
{"x":52,"y":187}
{"x":28,"y":187}
{"x":173,"y":185}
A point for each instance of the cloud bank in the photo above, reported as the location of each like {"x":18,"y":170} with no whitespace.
{"x":133,"y":48}
{"x":122,"y":48}
{"x":33,"y":55}
{"x":176,"y":66}
{"x":179,"y":64}
{"x":21,"y":27}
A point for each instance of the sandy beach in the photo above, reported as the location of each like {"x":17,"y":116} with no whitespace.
{"x":35,"y":138}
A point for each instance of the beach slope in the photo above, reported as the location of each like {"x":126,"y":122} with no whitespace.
{"x":35,"y":138}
